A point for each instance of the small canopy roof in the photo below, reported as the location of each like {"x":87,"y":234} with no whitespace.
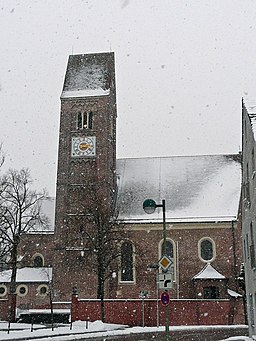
{"x":208,"y":272}
{"x":233,"y":293}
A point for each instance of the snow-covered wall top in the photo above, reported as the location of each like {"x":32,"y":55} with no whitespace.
{"x":195,"y":188}
{"x":87,"y":75}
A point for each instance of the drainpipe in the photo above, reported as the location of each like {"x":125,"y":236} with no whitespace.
{"x":234,"y":253}
{"x":177,"y":270}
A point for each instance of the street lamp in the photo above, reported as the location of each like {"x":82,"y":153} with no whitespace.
{"x":149,"y":206}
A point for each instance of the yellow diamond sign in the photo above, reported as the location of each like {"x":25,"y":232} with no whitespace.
{"x":165,"y":262}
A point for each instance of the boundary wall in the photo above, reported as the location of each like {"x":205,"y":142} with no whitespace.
{"x":143,"y":312}
{"x":5,"y":308}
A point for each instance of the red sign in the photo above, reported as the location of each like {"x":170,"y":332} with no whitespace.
{"x":165,"y":298}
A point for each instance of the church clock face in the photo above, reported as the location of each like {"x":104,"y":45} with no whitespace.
{"x":83,"y":146}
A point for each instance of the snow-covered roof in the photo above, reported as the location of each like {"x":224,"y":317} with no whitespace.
{"x":85,"y":93}
{"x":195,"y":188}
{"x":233,"y":293}
{"x":87,"y":75}
{"x":208,"y":272}
{"x":28,"y":275}
{"x":253,"y":121}
{"x":251,"y":109}
{"x":44,"y":311}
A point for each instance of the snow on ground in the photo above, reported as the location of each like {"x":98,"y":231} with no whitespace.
{"x":238,"y":338}
{"x":20,"y":330}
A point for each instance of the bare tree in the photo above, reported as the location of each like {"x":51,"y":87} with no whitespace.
{"x":101,"y":237}
{"x":49,"y":292}
{"x":4,"y":249}
{"x":2,"y":156}
{"x":20,"y":212}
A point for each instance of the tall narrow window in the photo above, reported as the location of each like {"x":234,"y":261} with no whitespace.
{"x":251,"y":310}
{"x":84,"y":120}
{"x":170,"y":253}
{"x":245,"y":250}
{"x":206,"y":249}
{"x":247,"y":184}
{"x":253,"y":160}
{"x":127,"y":262}
{"x":169,"y":249}
{"x":252,"y":248}
{"x":79,"y":120}
{"x":90,"y":120}
{"x":247,"y":246}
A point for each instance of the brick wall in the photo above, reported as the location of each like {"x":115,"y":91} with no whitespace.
{"x":31,"y":300}
{"x":180,"y":312}
{"x":4,"y":309}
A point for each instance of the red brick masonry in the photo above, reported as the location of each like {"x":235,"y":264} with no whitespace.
{"x":181,"y":312}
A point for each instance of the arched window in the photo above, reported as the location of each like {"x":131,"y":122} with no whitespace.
{"x":84,"y":120}
{"x":79,"y":121}
{"x":127,"y":262}
{"x":170,"y":253}
{"x":38,"y":261}
{"x":206,"y":249}
{"x":169,"y":248}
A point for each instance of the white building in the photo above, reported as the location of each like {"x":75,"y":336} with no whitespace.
{"x":249,"y":209}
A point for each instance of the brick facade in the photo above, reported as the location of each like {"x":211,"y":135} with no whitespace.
{"x":227,"y":239}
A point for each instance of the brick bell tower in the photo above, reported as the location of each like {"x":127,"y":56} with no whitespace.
{"x":86,"y":178}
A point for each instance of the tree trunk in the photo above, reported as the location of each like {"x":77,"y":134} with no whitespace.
{"x":12,"y":312}
{"x":100,"y":290}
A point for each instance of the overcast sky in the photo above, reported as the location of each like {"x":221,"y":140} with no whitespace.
{"x":182,"y":68}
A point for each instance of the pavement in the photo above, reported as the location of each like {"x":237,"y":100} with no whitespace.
{"x":98,"y":332}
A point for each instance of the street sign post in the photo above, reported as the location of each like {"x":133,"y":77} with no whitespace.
{"x":165,"y":281}
{"x":165,"y":262}
{"x":143,"y":295}
{"x":165,"y":298}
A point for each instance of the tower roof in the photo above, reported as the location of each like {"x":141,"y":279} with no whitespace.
{"x":88,"y":75}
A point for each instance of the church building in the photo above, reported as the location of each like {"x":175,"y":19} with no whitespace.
{"x":98,"y":195}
